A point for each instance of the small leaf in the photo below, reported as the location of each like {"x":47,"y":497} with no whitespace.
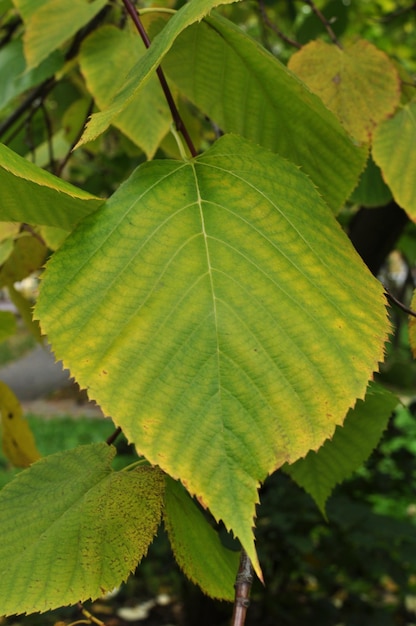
{"x":244,"y":340}
{"x":358,"y":83}
{"x":196,"y":546}
{"x":73,"y":529}
{"x":371,"y":191}
{"x":27,"y":256}
{"x":18,"y":442}
{"x":32,"y":195}
{"x":63,"y":20}
{"x":189,"y":13}
{"x":394,"y":151}
{"x":146,"y":120}
{"x":351,"y":445}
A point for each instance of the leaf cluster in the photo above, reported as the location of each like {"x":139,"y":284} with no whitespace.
{"x":200,"y":289}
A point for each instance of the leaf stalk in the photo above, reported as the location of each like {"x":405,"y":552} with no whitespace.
{"x":177,"y":119}
{"x":242,"y":587}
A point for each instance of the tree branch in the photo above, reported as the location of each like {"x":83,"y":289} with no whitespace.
{"x":179,"y":124}
{"x":242,"y":587}
{"x":274,"y":28}
{"x":324,"y":21}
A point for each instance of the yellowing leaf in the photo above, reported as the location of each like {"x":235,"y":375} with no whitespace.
{"x":50,"y":23}
{"x":28,"y":255}
{"x":18,"y":441}
{"x":239,"y":332}
{"x":394,"y":150}
{"x":32,"y":195}
{"x":73,"y":529}
{"x":358,"y":82}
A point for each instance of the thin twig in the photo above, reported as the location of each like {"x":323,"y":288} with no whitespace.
{"x":64,"y":161}
{"x":49,"y":135}
{"x":40,"y":92}
{"x":324,"y":21}
{"x":397,"y":302}
{"x":274,"y":28}
{"x":178,"y":121}
{"x":111,"y":439}
{"x":242,"y":587}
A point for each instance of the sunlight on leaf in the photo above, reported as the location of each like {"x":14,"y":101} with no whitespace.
{"x":205,"y":293}
{"x":358,"y":83}
{"x":61,"y":19}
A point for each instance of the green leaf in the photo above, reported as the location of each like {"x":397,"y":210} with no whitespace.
{"x":350,"y":446}
{"x":257,"y":97}
{"x":146,"y":120}
{"x":394,"y":151}
{"x":27,"y":256}
{"x":190,"y":12}
{"x":357,"y":82}
{"x":13,"y":77}
{"x":205,"y":292}
{"x":371,"y":191}
{"x":73,"y":529}
{"x":63,"y":20}
{"x":32,"y":195}
{"x":7,"y":324}
{"x":196,"y":546}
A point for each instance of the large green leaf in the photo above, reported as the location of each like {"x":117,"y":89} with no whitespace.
{"x":319,"y":472}
{"x":50,"y":23}
{"x":190,"y":12}
{"x":216,"y":310}
{"x":394,"y":151}
{"x":244,"y":89}
{"x":197,"y":547}
{"x":30,"y":194}
{"x":73,"y":529}
{"x":146,"y":120}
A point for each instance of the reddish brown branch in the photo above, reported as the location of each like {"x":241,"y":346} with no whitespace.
{"x":274,"y":28}
{"x":242,"y":587}
{"x":321,"y":17}
{"x":177,"y":119}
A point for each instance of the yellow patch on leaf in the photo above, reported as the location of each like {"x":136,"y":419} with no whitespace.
{"x":358,"y":83}
{"x":18,"y":442}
